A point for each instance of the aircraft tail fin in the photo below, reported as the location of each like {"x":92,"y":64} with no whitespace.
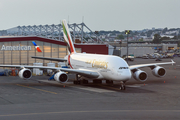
{"x":67,"y":37}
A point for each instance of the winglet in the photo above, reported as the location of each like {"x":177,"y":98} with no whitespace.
{"x":172,"y":62}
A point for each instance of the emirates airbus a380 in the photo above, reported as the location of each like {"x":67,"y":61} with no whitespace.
{"x":93,"y":66}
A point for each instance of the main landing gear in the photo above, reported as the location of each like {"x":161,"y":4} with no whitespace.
{"x":109,"y":82}
{"x":122,"y":86}
{"x":78,"y":81}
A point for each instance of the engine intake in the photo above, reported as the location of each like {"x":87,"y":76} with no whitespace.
{"x":61,"y":77}
{"x":140,"y":75}
{"x":25,"y":73}
{"x":159,"y":71}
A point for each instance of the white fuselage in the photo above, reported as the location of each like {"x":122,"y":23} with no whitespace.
{"x":109,"y":67}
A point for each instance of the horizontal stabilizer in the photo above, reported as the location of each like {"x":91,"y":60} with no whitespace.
{"x":52,"y":59}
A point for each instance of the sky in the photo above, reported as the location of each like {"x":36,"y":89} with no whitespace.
{"x":98,"y":14}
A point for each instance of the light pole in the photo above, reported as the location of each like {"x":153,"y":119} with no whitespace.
{"x":96,"y":32}
{"x":127,"y":32}
{"x":120,"y":42}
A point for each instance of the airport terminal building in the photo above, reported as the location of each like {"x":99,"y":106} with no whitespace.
{"x":19,"y":50}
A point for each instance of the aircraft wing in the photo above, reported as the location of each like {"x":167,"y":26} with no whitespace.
{"x":86,"y":73}
{"x":52,"y":59}
{"x":152,"y":65}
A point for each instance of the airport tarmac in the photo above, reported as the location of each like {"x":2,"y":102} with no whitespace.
{"x":157,"y":98}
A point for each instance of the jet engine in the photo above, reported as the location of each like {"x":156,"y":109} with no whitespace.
{"x":140,"y":75}
{"x":159,"y":71}
{"x":61,"y":77}
{"x":25,"y":73}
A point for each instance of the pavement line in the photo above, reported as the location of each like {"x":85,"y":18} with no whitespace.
{"x":56,"y":83}
{"x":109,"y":87}
{"x":96,"y":111}
{"x":36,"y":89}
{"x":92,"y":89}
{"x":136,"y":85}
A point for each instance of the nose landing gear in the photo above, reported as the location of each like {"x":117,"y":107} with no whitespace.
{"x":122,"y":86}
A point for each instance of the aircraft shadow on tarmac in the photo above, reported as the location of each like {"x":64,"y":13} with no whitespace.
{"x":130,"y":88}
{"x":115,"y":87}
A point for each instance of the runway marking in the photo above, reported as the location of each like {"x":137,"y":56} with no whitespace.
{"x":70,"y":84}
{"x":136,"y":85}
{"x":94,"y":111}
{"x":36,"y":89}
{"x":110,"y":87}
{"x":93,"y":89}
{"x":57,"y":83}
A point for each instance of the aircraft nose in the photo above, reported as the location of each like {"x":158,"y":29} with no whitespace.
{"x":127,"y":75}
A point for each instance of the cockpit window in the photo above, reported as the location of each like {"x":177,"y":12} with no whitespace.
{"x":123,"y":68}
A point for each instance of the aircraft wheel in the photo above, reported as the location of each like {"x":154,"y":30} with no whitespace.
{"x":109,"y":82}
{"x":122,"y":87}
{"x":85,"y":81}
{"x":78,"y":82}
{"x":97,"y":81}
{"x":75,"y":82}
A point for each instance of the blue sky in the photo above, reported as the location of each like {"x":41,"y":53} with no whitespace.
{"x":98,"y":14}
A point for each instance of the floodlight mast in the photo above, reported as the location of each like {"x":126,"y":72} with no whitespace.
{"x":127,"y":32}
{"x":120,"y":42}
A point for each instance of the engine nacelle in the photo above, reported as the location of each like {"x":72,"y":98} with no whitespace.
{"x":159,"y":71}
{"x":25,"y":73}
{"x":61,"y":77}
{"x":140,"y":75}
